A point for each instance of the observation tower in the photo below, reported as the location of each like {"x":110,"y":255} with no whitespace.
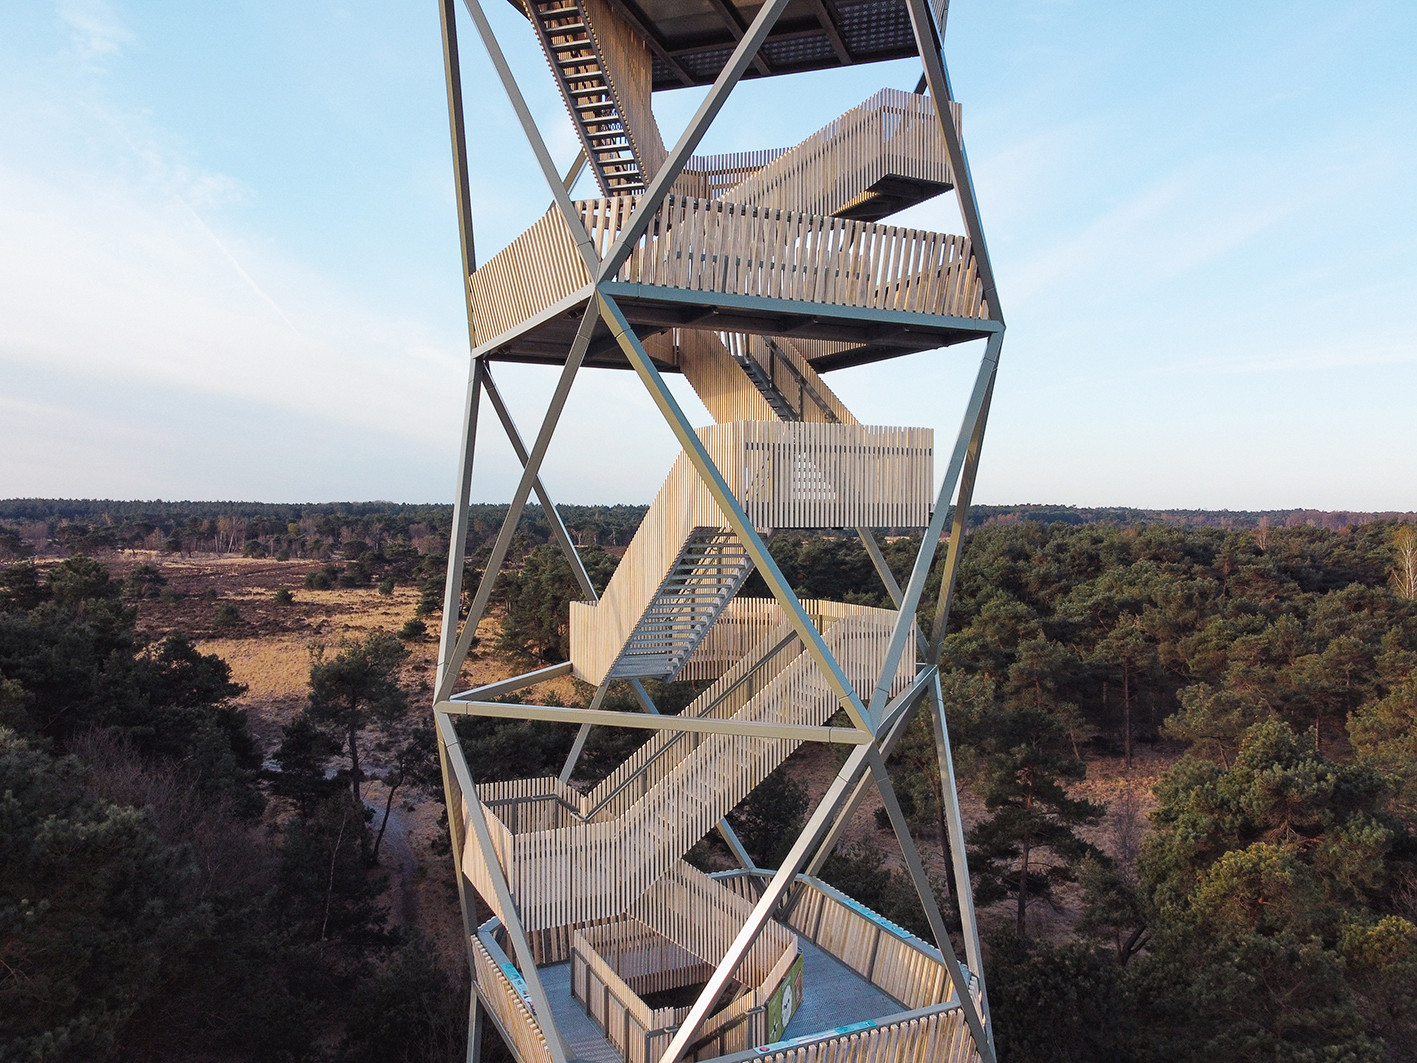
{"x":754,"y":275}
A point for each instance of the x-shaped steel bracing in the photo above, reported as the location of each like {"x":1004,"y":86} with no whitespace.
{"x":876,"y":723}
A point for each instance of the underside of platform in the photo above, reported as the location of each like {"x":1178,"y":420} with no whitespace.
{"x":656,"y":312}
{"x":691,"y":42}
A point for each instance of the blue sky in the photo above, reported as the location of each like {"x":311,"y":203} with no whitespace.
{"x":229,"y":269}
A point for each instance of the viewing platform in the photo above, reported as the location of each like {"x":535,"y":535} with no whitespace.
{"x":877,"y":290}
{"x":862,"y":986}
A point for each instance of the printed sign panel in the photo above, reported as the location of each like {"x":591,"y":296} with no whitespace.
{"x":783,"y":1004}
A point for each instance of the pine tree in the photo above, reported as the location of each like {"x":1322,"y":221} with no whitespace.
{"x":1028,"y":844}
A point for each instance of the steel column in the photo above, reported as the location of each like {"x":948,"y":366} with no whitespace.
{"x":961,"y":518}
{"x":457,"y":535}
{"x":954,"y":825}
{"x":926,"y":892}
{"x":553,"y":515}
{"x":937,"y":77}
{"x":511,"y":921}
{"x":448,"y":678}
{"x":474,"y":1027}
{"x":915,"y":586}
{"x":777,"y":886}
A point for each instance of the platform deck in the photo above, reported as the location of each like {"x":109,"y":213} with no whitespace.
{"x":833,"y":995}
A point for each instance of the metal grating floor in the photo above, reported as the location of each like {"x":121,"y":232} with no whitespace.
{"x":833,"y":995}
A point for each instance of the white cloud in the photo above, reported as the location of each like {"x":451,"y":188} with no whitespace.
{"x":94,"y":29}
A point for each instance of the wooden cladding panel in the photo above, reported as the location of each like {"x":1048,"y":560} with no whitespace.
{"x":893,"y":134}
{"x":710,"y":176}
{"x":626,"y":63}
{"x":597,"y":869}
{"x":719,"y":381}
{"x":512,"y":1011}
{"x":535,"y":271}
{"x":790,"y":474}
{"x":747,"y":623}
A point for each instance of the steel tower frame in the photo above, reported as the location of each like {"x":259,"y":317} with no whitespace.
{"x":598,"y":301}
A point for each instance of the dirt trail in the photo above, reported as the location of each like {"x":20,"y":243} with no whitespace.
{"x":397,"y":856}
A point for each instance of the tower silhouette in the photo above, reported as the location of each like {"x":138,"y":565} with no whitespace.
{"x":752,"y":274}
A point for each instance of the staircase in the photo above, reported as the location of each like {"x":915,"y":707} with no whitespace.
{"x":707,"y":573}
{"x":684,"y":564}
{"x":608,"y":848}
{"x":762,"y":380}
{"x":876,"y":159}
{"x":564,"y":29}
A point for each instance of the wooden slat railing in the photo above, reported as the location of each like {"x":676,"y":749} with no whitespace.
{"x":710,"y":176}
{"x":593,"y":870}
{"x":939,"y":1036}
{"x":734,"y":249}
{"x":786,"y":475}
{"x":773,"y":253}
{"x":671,"y":939}
{"x":745,"y":624}
{"x":532,"y":273}
{"x":504,"y":993}
{"x":893,"y":134}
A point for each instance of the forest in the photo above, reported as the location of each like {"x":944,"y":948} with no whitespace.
{"x":170,"y":889}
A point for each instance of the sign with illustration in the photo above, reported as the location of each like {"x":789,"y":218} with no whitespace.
{"x":783,"y":1004}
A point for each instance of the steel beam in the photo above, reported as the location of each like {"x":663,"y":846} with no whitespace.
{"x":572,"y":218}
{"x":578,"y":746}
{"x":474,"y":1027}
{"x":452,"y":76}
{"x":897,"y":717}
{"x":954,"y":826}
{"x":456,"y":832}
{"x":708,"y":110}
{"x":521,"y":946}
{"x":643,"y":721}
{"x":560,"y":308}
{"x":448,"y":677}
{"x":961,"y":519}
{"x":937,"y":77}
{"x":457,"y":535}
{"x":553,"y":515}
{"x":517,"y":682}
{"x":578,"y":165}
{"x":777,"y":887}
{"x":915,"y":586}
{"x":924,"y":324}
{"x":733,"y":512}
{"x":883,"y":569}
{"x":926,"y":892}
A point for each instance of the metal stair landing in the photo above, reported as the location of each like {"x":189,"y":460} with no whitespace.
{"x":565,"y":35}
{"x":707,"y":573}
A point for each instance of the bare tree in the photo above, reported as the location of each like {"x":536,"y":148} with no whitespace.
{"x":1404,"y":569}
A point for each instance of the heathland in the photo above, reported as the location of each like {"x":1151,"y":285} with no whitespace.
{"x":1187,"y":745}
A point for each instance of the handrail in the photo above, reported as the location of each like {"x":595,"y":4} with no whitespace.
{"x":673,"y":739}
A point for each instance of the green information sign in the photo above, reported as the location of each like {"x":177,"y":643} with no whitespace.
{"x":783,"y":1004}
